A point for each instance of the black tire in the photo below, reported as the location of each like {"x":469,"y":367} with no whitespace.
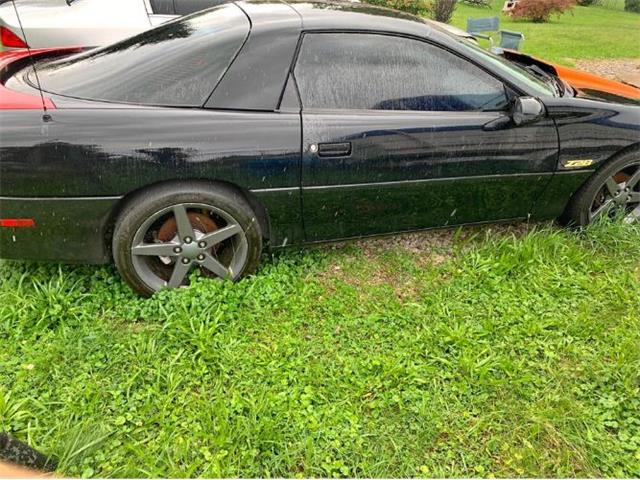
{"x":586,"y":204}
{"x":150,"y":217}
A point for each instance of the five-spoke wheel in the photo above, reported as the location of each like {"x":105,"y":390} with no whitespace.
{"x":612,"y":191}
{"x":620,"y":193}
{"x":166,"y":233}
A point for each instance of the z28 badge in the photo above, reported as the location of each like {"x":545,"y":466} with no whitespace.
{"x":578,"y":163}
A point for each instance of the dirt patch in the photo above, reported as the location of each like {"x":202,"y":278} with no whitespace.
{"x":624,"y":69}
{"x":428,"y":248}
{"x":417,"y":243}
{"x":403,"y":285}
{"x":438,"y":243}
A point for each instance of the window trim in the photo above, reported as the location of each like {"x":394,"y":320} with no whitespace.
{"x":296,"y":92}
{"x":510,"y":89}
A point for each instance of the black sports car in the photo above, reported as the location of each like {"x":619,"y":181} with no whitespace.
{"x":200,"y":142}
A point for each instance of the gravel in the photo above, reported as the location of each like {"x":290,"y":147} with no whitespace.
{"x":625,"y":69}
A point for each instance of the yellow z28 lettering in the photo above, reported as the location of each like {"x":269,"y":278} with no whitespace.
{"x":578,"y":163}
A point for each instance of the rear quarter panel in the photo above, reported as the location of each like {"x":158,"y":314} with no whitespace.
{"x":113,"y":152}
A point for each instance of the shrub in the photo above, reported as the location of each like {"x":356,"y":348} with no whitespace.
{"x":588,"y":3}
{"x":416,"y":7}
{"x":632,"y":6}
{"x":478,"y":3}
{"x":442,"y":10}
{"x":541,"y":10}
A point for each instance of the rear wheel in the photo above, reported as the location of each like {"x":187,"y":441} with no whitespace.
{"x":166,"y":232}
{"x":613,"y":190}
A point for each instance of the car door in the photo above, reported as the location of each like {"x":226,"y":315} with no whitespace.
{"x":401,"y":134}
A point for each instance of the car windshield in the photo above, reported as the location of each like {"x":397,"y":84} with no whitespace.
{"x":176,"y":64}
{"x":536,"y":84}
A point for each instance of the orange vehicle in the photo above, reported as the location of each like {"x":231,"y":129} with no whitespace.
{"x":587,"y":84}
{"x":582,"y":81}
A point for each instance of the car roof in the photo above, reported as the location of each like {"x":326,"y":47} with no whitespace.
{"x":275,"y":32}
{"x":354,"y":15}
{"x":346,"y":15}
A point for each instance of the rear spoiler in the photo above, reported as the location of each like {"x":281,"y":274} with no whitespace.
{"x":14,"y":61}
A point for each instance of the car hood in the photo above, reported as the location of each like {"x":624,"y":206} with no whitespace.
{"x":594,"y":85}
{"x":606,"y":96}
{"x":53,"y":23}
{"x":58,"y":14}
{"x":587,"y":84}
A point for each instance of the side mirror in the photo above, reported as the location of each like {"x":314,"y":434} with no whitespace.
{"x":526,"y":110}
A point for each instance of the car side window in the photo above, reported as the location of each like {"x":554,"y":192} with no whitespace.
{"x":162,"y":7}
{"x":177,"y":64}
{"x":187,"y":7}
{"x":384,"y":72}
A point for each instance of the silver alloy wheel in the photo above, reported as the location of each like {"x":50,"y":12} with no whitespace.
{"x":222,"y":252}
{"x":620,"y":191}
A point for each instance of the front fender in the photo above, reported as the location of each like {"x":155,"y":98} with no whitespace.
{"x":591,"y":132}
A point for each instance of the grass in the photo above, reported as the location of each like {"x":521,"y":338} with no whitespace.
{"x":496,"y":351}
{"x":595,"y":32}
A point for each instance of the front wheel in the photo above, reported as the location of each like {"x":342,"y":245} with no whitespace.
{"x":166,"y":232}
{"x":613,"y":190}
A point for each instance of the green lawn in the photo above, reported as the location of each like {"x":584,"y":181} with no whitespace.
{"x":505,"y":351}
{"x":596,"y":32}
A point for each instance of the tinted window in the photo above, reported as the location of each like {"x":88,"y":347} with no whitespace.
{"x":187,"y":7}
{"x":162,"y":7}
{"x":380,"y":72}
{"x":176,"y":64}
{"x":505,"y":66}
{"x":290,"y":99}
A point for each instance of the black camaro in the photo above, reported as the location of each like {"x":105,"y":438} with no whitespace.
{"x":200,"y":142}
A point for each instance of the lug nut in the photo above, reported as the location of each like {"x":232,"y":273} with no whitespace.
{"x":187,"y":239}
{"x":202,"y":244}
{"x":177,"y":250}
{"x":201,"y":257}
{"x":185,"y":261}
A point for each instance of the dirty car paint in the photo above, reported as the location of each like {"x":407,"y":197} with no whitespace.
{"x":318,"y":174}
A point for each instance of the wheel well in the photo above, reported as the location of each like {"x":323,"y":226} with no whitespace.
{"x":261,"y":212}
{"x":630,"y":149}
{"x":623,"y":151}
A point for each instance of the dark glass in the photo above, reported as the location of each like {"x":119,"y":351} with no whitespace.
{"x":162,"y":7}
{"x":256,"y":79}
{"x":384,"y":72}
{"x":290,"y":100}
{"x":187,"y":7}
{"x":175,"y":64}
